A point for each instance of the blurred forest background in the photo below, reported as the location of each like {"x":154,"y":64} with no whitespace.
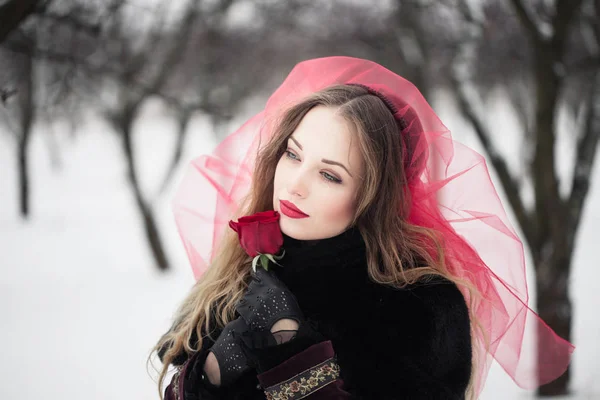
{"x":66,"y":62}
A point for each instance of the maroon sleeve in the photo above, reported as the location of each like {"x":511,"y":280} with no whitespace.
{"x":313,"y":374}
{"x":175,"y":389}
{"x":186,"y":384}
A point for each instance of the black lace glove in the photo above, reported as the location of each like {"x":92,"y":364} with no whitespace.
{"x":232,"y":360}
{"x":267,"y":301}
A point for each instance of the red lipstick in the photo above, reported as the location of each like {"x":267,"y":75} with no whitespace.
{"x":290,"y":210}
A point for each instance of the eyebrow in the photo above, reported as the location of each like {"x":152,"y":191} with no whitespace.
{"x":326,"y":161}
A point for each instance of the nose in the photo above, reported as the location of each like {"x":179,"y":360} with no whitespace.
{"x":297,"y":185}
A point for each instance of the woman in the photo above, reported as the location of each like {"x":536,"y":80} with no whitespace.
{"x":385,"y":287}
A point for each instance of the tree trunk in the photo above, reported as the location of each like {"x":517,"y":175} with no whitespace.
{"x":556,"y":310}
{"x":554,"y":306}
{"x":152,"y":235}
{"x":552,"y":254}
{"x":183,"y":121}
{"x":150,"y":226}
{"x":23,"y":176}
{"x":26,"y":109}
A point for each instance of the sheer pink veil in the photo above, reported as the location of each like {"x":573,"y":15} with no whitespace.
{"x":451,"y":191}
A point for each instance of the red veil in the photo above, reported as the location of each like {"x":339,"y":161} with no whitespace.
{"x":451,"y":192}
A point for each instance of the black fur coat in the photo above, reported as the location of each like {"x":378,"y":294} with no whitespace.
{"x":412,"y":343}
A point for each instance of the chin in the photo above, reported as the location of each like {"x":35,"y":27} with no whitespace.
{"x":287,"y":229}
{"x":299,"y":232}
{"x":291,"y":229}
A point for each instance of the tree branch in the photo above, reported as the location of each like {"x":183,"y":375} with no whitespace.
{"x":183,"y":120}
{"x":527,"y":20}
{"x":105,"y":70}
{"x":582,"y":66}
{"x":467,"y":98}
{"x":468,"y":101}
{"x":139,"y":60}
{"x":180,"y":41}
{"x":587,"y":147}
{"x":13,"y":13}
{"x":565,"y":11}
{"x":72,"y":20}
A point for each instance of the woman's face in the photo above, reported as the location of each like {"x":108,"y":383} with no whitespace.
{"x":320,"y":174}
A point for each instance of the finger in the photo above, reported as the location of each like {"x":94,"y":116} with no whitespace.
{"x":267,"y":278}
{"x":239,"y":325}
{"x":255,"y":282}
{"x":245,"y":309}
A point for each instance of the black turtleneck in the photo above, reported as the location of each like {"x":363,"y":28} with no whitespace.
{"x":346,"y":248}
{"x":315,"y":270}
{"x":320,"y":273}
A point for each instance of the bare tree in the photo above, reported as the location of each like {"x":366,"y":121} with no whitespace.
{"x":140,"y":62}
{"x":27,"y":110}
{"x":25,"y":87}
{"x":550,"y":227}
{"x":18,"y":114}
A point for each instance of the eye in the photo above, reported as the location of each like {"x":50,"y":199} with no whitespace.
{"x":328,"y":177}
{"x":331,"y":178}
{"x":290,"y":155}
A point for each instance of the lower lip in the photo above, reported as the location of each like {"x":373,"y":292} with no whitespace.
{"x":291,"y":213}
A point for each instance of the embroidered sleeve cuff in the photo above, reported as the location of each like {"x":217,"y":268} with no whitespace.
{"x":265,"y":352}
{"x":302,"y":374}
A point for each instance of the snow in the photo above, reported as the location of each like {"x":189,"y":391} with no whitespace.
{"x":82,"y":303}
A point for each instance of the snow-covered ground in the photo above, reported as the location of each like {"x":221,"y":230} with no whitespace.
{"x":81,"y":303}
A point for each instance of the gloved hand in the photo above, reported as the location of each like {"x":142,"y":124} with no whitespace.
{"x":232,"y":361}
{"x":267,"y":301}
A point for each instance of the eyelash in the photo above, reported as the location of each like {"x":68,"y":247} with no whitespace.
{"x":325,"y":175}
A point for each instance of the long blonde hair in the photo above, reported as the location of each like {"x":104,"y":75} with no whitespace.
{"x":394,"y":247}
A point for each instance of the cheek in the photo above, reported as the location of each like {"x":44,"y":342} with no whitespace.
{"x":339,"y":207}
{"x":279,"y":172}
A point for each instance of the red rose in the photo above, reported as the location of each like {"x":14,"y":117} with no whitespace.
{"x":260,"y":236}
